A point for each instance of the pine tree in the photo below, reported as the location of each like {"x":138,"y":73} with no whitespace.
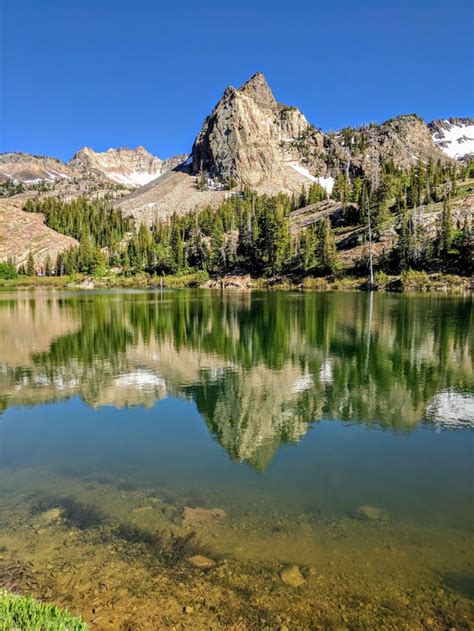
{"x":326,"y":246}
{"x":446,"y":231}
{"x":47,"y":266}
{"x":307,"y":249}
{"x":406,"y":240}
{"x":302,"y":200}
{"x":466,"y":247}
{"x":274,"y":236}
{"x":217,"y":254}
{"x":30,"y":265}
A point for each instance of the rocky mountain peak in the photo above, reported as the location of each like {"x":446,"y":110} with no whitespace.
{"x":250,"y":138}
{"x":258,"y":89}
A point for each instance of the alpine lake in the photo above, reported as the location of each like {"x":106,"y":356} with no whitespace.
{"x":198,"y":459}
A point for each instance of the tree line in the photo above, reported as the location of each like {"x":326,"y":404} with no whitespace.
{"x":254,"y":233}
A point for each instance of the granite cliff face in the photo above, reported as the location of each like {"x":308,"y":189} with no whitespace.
{"x":252,"y":138}
{"x":130,"y":167}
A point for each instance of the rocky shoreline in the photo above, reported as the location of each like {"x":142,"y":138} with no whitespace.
{"x":412,"y":281}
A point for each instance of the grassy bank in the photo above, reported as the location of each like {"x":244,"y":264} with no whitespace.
{"x":408,"y":281}
{"x":27,"y":614}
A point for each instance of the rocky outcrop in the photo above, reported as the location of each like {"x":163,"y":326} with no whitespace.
{"x":130,"y":167}
{"x":454,"y":136}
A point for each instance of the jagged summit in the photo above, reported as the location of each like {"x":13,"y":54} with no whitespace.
{"x":259,"y":90}
{"x":249,"y":137}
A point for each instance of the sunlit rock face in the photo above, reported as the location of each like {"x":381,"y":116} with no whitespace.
{"x":251,"y":137}
{"x":251,"y":140}
{"x":259,"y":369}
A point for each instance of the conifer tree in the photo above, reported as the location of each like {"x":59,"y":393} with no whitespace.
{"x":308,"y":248}
{"x":302,"y":200}
{"x":30,"y":265}
{"x":446,"y":230}
{"x":326,"y":246}
{"x":406,"y":240}
{"x":47,"y":266}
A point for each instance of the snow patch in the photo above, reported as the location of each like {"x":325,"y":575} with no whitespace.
{"x":303,"y":171}
{"x":326,"y":182}
{"x":457,"y":141}
{"x":136,"y":178}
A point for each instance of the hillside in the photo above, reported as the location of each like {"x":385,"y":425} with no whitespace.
{"x":22,"y":232}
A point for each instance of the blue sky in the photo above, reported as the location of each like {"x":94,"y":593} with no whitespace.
{"x":114,"y":73}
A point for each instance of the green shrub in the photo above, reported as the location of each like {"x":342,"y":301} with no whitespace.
{"x":27,"y":614}
{"x":414,"y":278}
{"x":381,"y":279}
{"x":7,"y":271}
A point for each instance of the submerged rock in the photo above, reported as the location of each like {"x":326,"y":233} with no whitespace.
{"x":142,"y":509}
{"x":292,"y":576}
{"x":51,"y":515}
{"x":201,"y":562}
{"x":371,"y":513}
{"x":202,"y":515}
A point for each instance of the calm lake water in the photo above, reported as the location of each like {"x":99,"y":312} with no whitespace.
{"x":315,"y":449}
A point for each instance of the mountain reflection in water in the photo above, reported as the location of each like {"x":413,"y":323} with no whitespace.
{"x":260,"y":367}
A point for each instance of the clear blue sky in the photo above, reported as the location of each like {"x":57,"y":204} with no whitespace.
{"x":114,"y":73}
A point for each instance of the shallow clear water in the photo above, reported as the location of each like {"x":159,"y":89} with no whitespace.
{"x":288,"y":411}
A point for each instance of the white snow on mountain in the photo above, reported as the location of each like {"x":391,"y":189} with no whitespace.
{"x":455,"y":140}
{"x":326,"y":182}
{"x":135,"y":178}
